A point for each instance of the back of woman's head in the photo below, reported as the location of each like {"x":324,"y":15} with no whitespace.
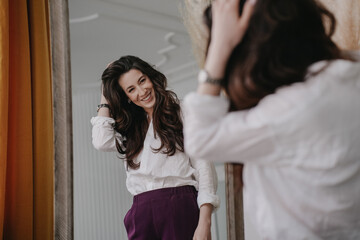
{"x":283,"y":39}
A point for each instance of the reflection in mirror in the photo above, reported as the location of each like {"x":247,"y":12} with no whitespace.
{"x":100,"y":32}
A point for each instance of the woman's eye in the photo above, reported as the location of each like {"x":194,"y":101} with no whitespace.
{"x":130,"y":90}
{"x":142,"y":80}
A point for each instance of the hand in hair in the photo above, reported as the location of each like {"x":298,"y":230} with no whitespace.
{"x":228,"y":29}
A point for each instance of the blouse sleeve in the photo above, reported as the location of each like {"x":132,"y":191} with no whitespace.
{"x":207,"y":179}
{"x":103,"y":134}
{"x":212,"y":133}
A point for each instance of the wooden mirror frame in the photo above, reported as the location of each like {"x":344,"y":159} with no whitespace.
{"x":62,"y":112}
{"x":234,"y":201}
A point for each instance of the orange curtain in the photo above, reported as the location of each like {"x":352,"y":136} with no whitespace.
{"x":26,"y":137}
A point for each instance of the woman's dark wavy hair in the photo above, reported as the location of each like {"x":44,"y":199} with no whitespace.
{"x":283,"y":39}
{"x":131,"y":120}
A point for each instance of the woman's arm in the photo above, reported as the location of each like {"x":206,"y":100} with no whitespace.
{"x":211,"y":133}
{"x":208,"y":126}
{"x":203,"y":230}
{"x":207,"y":198}
{"x":103,"y":111}
{"x":224,"y":39}
{"x":103,"y":133}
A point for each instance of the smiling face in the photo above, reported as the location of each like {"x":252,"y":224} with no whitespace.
{"x":139,"y":89}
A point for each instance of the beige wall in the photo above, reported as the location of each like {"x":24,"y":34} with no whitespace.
{"x":347,"y":14}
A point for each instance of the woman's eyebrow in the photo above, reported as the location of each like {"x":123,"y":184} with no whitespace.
{"x":131,"y":86}
{"x":141,"y":76}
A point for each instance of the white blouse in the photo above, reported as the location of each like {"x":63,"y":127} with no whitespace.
{"x":157,"y":170}
{"x":301,"y":152}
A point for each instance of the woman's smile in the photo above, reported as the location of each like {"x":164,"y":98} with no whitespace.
{"x":147,"y":98}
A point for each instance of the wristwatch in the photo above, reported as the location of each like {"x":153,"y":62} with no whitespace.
{"x":204,"y":77}
{"x":102,"y":105}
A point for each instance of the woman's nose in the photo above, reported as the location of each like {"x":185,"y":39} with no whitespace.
{"x":142,"y":91}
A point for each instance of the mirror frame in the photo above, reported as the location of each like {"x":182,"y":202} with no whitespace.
{"x":234,"y":201}
{"x":62,"y":112}
{"x":63,"y":137}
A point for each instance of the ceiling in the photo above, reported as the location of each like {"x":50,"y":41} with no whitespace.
{"x":103,"y":30}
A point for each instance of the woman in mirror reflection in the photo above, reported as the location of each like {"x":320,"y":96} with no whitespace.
{"x":290,"y":114}
{"x":174,"y":195}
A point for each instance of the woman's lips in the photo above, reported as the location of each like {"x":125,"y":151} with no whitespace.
{"x":147,"y":98}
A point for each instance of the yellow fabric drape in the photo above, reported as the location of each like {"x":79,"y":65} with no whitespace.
{"x":42,"y":120}
{"x":4,"y":93}
{"x":26,"y":185}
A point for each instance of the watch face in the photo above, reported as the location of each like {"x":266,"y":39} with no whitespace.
{"x":202,"y":77}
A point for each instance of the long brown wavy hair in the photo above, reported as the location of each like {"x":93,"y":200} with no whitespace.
{"x":283,"y":39}
{"x":131,"y":120}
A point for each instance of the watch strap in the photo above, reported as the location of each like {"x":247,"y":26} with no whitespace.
{"x":204,"y":77}
{"x":102,"y":105}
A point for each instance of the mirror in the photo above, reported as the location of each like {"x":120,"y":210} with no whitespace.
{"x":100,"y":32}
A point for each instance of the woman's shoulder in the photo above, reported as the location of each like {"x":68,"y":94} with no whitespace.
{"x":336,"y":70}
{"x":355,"y":54}
{"x":323,"y":81}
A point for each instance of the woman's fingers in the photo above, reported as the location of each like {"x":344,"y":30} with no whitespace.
{"x":227,"y":31}
{"x":228,"y":26}
{"x":246,"y":15}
